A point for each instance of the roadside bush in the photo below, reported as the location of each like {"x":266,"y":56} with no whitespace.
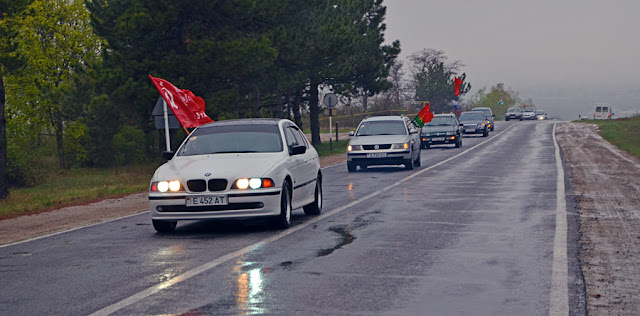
{"x":74,"y":136}
{"x":30,"y":165}
{"x":128,"y":146}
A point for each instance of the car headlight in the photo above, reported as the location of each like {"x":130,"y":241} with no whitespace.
{"x":354,"y":147}
{"x":253,"y":183}
{"x":401,"y":146}
{"x":164,"y":186}
{"x":481,"y":125}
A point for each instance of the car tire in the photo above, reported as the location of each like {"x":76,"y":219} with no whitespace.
{"x":506,"y":119}
{"x":492,"y":128}
{"x":283,"y":220}
{"x":351,"y":167}
{"x":164,"y":227}
{"x":408,"y":164}
{"x":485,"y":133}
{"x":521,"y":119}
{"x":316,"y":207}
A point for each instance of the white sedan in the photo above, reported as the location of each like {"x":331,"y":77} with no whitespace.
{"x":238,"y":169}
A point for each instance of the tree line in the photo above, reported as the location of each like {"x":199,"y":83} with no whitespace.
{"x":75,"y":73}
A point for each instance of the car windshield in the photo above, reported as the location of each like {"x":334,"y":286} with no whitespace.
{"x":487,"y":112}
{"x":513,"y":110}
{"x":540,"y":112}
{"x":372,"y":128}
{"x":472,"y":116}
{"x":529,"y":110}
{"x":441,"y":121}
{"x":233,"y":139}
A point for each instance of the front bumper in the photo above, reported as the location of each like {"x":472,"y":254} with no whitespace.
{"x":439,"y":140}
{"x":241,"y":204}
{"x":371,"y":157}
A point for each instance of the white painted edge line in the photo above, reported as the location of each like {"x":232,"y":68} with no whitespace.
{"x":216,"y":262}
{"x":559,"y":294}
{"x":72,"y":229}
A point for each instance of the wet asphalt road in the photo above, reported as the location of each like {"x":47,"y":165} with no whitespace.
{"x":470,"y":233}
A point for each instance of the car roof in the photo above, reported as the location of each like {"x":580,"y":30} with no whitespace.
{"x":385,"y":118}
{"x":480,"y":108}
{"x":247,"y":121}
{"x":443,"y":114}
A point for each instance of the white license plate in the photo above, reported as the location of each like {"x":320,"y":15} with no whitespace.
{"x":437,"y":139}
{"x":377,"y":155}
{"x":206,"y":200}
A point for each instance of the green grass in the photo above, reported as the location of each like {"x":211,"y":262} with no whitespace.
{"x":623,"y":133}
{"x":339,"y":147}
{"x":77,"y":186}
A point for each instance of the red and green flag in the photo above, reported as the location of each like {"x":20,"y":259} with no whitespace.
{"x":424,"y":116}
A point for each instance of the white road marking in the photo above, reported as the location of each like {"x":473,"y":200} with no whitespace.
{"x":212,"y":264}
{"x":559,"y":295}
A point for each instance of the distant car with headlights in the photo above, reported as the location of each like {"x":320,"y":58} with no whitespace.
{"x":443,"y":129}
{"x":488,"y":115}
{"x":238,"y":169}
{"x":513,"y":114}
{"x":529,"y":114}
{"x":541,"y":115}
{"x":384,"y":140}
{"x":474,"y":122}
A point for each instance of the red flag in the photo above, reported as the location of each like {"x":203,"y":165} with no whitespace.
{"x":188,"y":108}
{"x":424,"y":116}
{"x":457,"y":82}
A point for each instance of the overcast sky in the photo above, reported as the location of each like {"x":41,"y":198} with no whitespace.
{"x":565,"y":54}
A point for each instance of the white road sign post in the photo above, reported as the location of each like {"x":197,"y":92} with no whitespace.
{"x":330,"y":100}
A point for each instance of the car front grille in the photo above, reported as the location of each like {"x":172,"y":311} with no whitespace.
{"x":197,"y":185}
{"x":217,"y":185}
{"x":200,"y":185}
{"x":372,"y":147}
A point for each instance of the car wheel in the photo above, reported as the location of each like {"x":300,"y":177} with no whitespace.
{"x":492,"y":128}
{"x":283,"y":220}
{"x":408,"y":164}
{"x":164,"y":227}
{"x":351,"y":167}
{"x":316,"y":207}
{"x":521,"y":119}
{"x":485,"y":133}
{"x":506,"y":119}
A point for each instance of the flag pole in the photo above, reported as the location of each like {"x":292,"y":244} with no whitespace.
{"x":166,"y":125}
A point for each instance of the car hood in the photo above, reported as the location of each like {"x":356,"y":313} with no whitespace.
{"x":379,"y":139}
{"x":474,"y":122}
{"x":229,"y":166}
{"x":436,"y":129}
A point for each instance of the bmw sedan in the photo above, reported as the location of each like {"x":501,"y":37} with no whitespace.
{"x":443,"y":129}
{"x":238,"y":169}
{"x":474,"y":122}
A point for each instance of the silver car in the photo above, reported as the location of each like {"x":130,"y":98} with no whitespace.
{"x":529,"y":114}
{"x":238,"y":169}
{"x":384,"y":140}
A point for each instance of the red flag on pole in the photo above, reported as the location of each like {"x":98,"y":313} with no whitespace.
{"x":424,"y":116}
{"x":188,"y":108}
{"x":457,"y":82}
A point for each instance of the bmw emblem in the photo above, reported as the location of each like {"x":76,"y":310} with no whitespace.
{"x":376,"y":147}
{"x":207,"y":174}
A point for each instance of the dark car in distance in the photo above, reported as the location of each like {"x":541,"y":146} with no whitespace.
{"x":513,"y":114}
{"x":442,"y":129}
{"x":474,"y":123}
{"x":488,"y":115}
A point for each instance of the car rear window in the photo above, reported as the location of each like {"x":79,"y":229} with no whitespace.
{"x":372,"y":128}
{"x":233,"y":139}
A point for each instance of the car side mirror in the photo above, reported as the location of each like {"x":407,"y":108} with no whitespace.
{"x":167,"y":155}
{"x":351,"y":133}
{"x":298,"y":150}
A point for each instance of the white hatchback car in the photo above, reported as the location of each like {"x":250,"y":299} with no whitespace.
{"x":238,"y":169}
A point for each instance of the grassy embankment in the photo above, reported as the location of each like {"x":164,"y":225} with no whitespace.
{"x":623,"y":133}
{"x":80,"y":186}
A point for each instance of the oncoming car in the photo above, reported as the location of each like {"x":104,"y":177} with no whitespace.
{"x":488,"y":114}
{"x":238,"y":169}
{"x":474,"y":122}
{"x":384,"y":140}
{"x":443,"y":129}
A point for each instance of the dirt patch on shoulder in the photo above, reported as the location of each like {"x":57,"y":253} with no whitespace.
{"x":62,"y":219}
{"x":606,"y":183}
